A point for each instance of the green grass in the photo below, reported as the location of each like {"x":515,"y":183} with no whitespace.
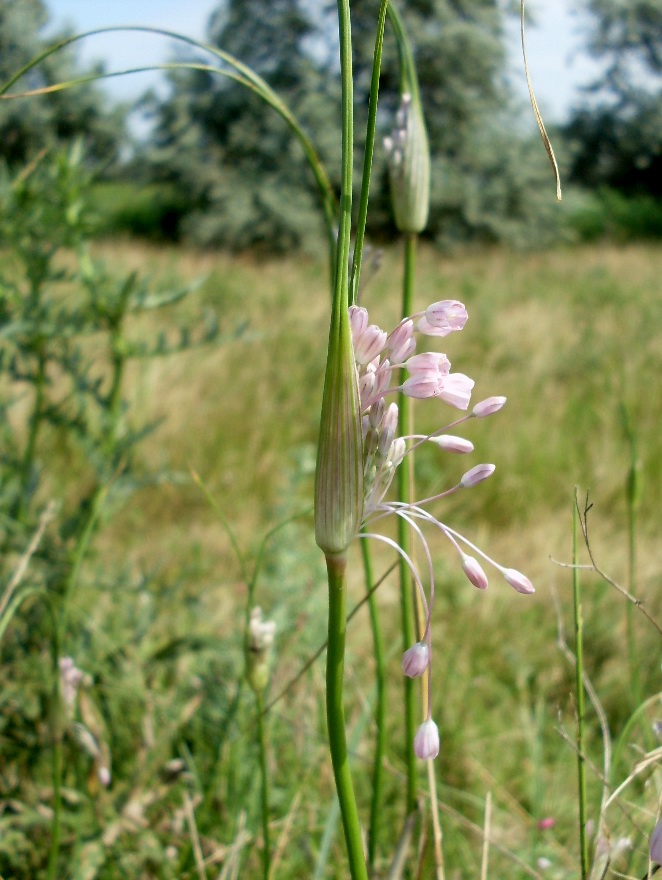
{"x":568,"y":336}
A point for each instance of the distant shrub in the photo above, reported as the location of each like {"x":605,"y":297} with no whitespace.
{"x":154,"y":211}
{"x":611,"y":214}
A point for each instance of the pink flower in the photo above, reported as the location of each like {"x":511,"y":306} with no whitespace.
{"x":456,"y":390}
{"x":518,"y":581}
{"x":451,"y":443}
{"x":488,"y":407}
{"x":442,"y":318}
{"x":656,"y":843}
{"x":415,"y":660}
{"x":477,"y":474}
{"x":474,"y":571}
{"x":426,"y":741}
{"x":546,"y":823}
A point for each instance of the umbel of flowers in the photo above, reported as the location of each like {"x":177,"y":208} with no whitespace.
{"x":379,"y":359}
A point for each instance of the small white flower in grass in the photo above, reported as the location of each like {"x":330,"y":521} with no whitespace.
{"x":426,"y":741}
{"x":429,"y":376}
{"x":415,"y":660}
{"x":656,"y":843}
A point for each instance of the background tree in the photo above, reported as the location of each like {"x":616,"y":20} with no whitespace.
{"x":26,"y":126}
{"x":616,"y":132}
{"x":246,"y":181}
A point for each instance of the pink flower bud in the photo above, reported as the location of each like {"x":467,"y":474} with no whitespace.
{"x":474,"y":572}
{"x":656,"y":844}
{"x":518,"y":581}
{"x":369,"y":344}
{"x":442,"y":318}
{"x":451,"y":443}
{"x":477,"y":474}
{"x":358,"y":321}
{"x":426,"y":741}
{"x":488,"y":407}
{"x":415,"y":660}
{"x":431,"y":362}
{"x":401,"y":342}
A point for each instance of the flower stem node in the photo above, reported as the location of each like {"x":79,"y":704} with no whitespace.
{"x":476,"y":475}
{"x":426,"y":741}
{"x":415,"y":660}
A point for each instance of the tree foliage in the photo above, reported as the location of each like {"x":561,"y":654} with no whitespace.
{"x":247,"y":182}
{"x":617,"y":131}
{"x":28,"y":125}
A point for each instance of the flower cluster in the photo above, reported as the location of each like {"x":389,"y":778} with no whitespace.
{"x":380,"y":357}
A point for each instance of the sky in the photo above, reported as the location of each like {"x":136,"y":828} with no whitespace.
{"x":557,"y":60}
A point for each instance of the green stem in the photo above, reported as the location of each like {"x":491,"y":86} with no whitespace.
{"x":35,"y":424}
{"x":56,"y":754}
{"x":264,"y":774}
{"x":405,"y":480}
{"x":380,"y":709}
{"x":579,"y":688}
{"x":635,"y":683}
{"x":335,"y":715}
{"x":367,"y":158}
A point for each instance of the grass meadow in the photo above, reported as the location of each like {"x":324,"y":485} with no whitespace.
{"x":573,"y":338}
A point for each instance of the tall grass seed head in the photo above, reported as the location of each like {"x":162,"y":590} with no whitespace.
{"x":408,"y":155}
{"x":339,"y":473}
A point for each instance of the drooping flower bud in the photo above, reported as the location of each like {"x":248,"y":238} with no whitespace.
{"x":488,"y":407}
{"x":476,"y":475}
{"x":409,"y":166}
{"x":415,"y":660}
{"x":474,"y":571}
{"x":426,"y":741}
{"x":339,"y":474}
{"x":518,"y":581}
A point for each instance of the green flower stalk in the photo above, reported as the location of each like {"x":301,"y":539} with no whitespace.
{"x":409,"y":165}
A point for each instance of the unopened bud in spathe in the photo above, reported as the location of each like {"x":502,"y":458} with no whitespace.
{"x":339,"y":474}
{"x":409,"y":166}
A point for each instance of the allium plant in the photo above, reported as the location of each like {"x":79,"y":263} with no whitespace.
{"x":379,"y":357}
{"x":359,"y":449}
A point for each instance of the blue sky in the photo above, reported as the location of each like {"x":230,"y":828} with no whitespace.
{"x":557,"y":61}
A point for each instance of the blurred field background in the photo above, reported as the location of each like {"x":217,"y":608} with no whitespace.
{"x":146,"y":583}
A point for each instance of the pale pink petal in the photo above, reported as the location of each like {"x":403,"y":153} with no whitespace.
{"x":518,"y":581}
{"x":426,"y":741}
{"x":488,"y":407}
{"x":456,"y":390}
{"x":474,"y":572}
{"x":415,"y":660}
{"x":477,"y":474}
